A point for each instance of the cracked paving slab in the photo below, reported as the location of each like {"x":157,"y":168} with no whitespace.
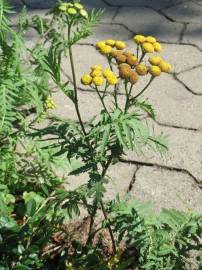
{"x":156,"y":4}
{"x":185,"y":151}
{"x":188,"y":12}
{"x":149,"y":22}
{"x":192,"y":79}
{"x":108,"y":31}
{"x":167,"y":189}
{"x":193,"y":35}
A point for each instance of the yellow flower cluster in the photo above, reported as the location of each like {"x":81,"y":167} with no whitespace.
{"x":73,"y":9}
{"x":105,"y":46}
{"x":149,"y":44}
{"x":158,"y":66}
{"x":124,"y":57}
{"x":97,"y":76}
{"x":126,"y":72}
{"x":50,"y":104}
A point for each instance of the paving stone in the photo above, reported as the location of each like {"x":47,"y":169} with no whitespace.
{"x":108,"y":31}
{"x":193,"y":35}
{"x":94,"y":4}
{"x":182,"y":57}
{"x":149,"y":22}
{"x":145,"y":3}
{"x":188,"y":12}
{"x":192,"y":79}
{"x":120,"y":176}
{"x":174,"y":105}
{"x":38,"y":4}
{"x":167,"y":189}
{"x":185,"y":151}
{"x":16,"y":4}
{"x":199,"y":2}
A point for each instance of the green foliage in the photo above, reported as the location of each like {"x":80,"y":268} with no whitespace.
{"x":35,"y":163}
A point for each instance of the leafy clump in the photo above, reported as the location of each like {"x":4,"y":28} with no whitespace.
{"x":38,"y":229}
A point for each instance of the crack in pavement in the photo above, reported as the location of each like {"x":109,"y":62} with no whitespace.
{"x":185,"y":86}
{"x":165,"y":167}
{"x":132,"y":182}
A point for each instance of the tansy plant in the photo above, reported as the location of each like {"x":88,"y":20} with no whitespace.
{"x":36,"y":208}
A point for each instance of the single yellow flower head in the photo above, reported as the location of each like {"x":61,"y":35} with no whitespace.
{"x":150,"y":39}
{"x":84,"y":13}
{"x":165,"y":67}
{"x":110,"y":42}
{"x":78,"y":5}
{"x":132,"y":60}
{"x":124,"y":65}
{"x":71,"y":11}
{"x":62,"y":7}
{"x":112,"y":79}
{"x":96,"y":67}
{"x":96,"y":73}
{"x":141,"y":69}
{"x":155,"y":71}
{"x":155,"y":60}
{"x":50,"y":104}
{"x":100,"y":44}
{"x":139,"y":39}
{"x":133,"y":77}
{"x":157,"y":47}
{"x":98,"y":81}
{"x":148,"y":47}
{"x":120,"y":58}
{"x":120,"y":45}
{"x":86,"y":79}
{"x":106,"y":49}
{"x":107,"y":72}
{"x":115,"y":53}
{"x":124,"y":72}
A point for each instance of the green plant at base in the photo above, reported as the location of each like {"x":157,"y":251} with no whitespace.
{"x":35,"y":206}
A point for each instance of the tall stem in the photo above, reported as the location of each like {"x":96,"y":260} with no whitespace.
{"x":101,"y":99}
{"x":74,"y":82}
{"x":141,"y":92}
{"x":128,"y":97}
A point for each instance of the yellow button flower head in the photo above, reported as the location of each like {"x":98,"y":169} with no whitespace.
{"x":139,"y":39}
{"x":86,"y":79}
{"x":124,"y":72}
{"x":132,"y":60}
{"x":124,"y":65}
{"x":84,"y":13}
{"x":106,"y":49}
{"x":96,"y":67}
{"x":120,"y":45}
{"x":78,"y":5}
{"x":148,"y":47}
{"x":150,"y":39}
{"x":120,"y":58}
{"x":96,"y":72}
{"x":110,"y":42}
{"x":107,"y":72}
{"x":157,"y":47}
{"x":98,"y":81}
{"x":165,"y":67}
{"x":100,"y":44}
{"x":141,"y":69}
{"x":112,"y":79}
{"x":115,"y":53}
{"x":155,"y":71}
{"x":50,"y":104}
{"x":133,"y":77}
{"x":62,"y":7}
{"x":71,"y":11}
{"x":155,"y":60}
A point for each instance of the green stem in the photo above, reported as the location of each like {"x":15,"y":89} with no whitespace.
{"x":143,"y":90}
{"x":138,"y":51}
{"x":142,"y":57}
{"x":128,"y":97}
{"x":74,"y":83}
{"x":101,"y":99}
